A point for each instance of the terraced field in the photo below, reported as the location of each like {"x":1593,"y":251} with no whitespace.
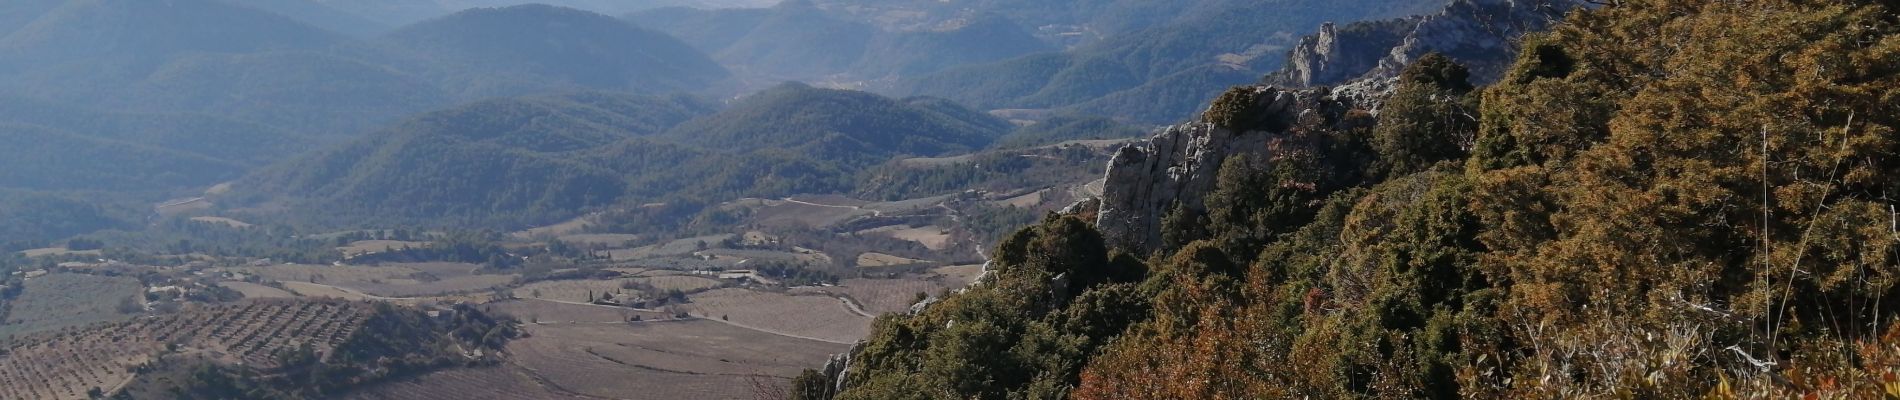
{"x":65,"y":366}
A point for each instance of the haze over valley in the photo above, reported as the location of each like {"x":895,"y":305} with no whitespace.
{"x":934,"y":199}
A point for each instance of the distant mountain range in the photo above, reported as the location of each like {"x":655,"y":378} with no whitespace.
{"x":211,"y":89}
{"x":538,"y":159}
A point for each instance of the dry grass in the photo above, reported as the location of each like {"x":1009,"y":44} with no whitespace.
{"x":663,"y":360}
{"x":392,"y":280}
{"x":965,"y":275}
{"x":810,"y":316}
{"x":307,"y":289}
{"x":256,"y":291}
{"x":223,"y":221}
{"x":880,"y":296}
{"x":884,"y":260}
{"x":506,"y":382}
{"x":931,"y":236}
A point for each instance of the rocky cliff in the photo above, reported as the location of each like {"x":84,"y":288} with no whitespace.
{"x":1178,"y":165}
{"x":1363,"y":58}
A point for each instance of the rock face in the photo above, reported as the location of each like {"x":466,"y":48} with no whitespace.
{"x":1481,"y":34}
{"x":1178,"y":165}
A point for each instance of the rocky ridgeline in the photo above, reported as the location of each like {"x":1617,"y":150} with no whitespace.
{"x":1178,"y":165}
{"x":1363,"y":59}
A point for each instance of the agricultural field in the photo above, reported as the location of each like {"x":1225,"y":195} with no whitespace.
{"x":569,"y":227}
{"x":223,"y":221}
{"x":256,"y":291}
{"x":60,"y":300}
{"x":391,"y":280}
{"x":871,"y":260}
{"x":535,"y":311}
{"x":506,"y":382}
{"x":578,"y":290}
{"x":931,"y":236}
{"x":684,"y":283}
{"x":66,"y":366}
{"x":814,"y":258}
{"x":664,"y":360}
{"x":307,"y":289}
{"x":362,"y":247}
{"x":600,"y":239}
{"x":416,"y":287}
{"x":806,"y":214}
{"x":1024,"y":201}
{"x":815,"y":317}
{"x":962,"y":275}
{"x":879,"y":296}
{"x":56,"y":251}
{"x":680,"y":247}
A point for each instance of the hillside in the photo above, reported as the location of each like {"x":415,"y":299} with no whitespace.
{"x":88,"y":45}
{"x":1060,"y":23}
{"x":49,"y":159}
{"x":498,"y":161}
{"x":820,"y":122}
{"x":796,"y":40}
{"x":1709,"y":232}
{"x":517,"y":50}
{"x":317,"y":94}
{"x":319,"y":15}
{"x":1219,"y":45}
{"x":515,"y":162}
{"x":199,"y":134}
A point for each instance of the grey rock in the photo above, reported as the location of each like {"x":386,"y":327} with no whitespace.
{"x":1146,"y":179}
{"x":1363,"y":58}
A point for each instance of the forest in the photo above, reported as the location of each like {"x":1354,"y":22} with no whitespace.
{"x":1661,"y":199}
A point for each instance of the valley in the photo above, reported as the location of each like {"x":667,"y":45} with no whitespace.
{"x":935,"y":199}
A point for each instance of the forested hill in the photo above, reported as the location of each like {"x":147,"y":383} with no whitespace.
{"x":518,"y":162}
{"x":528,"y":48}
{"x":822,"y":122}
{"x":505,"y":157}
{"x":1659,"y":199}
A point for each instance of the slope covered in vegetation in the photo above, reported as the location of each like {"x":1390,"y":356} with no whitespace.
{"x":1661,"y":199}
{"x":537,"y":160}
